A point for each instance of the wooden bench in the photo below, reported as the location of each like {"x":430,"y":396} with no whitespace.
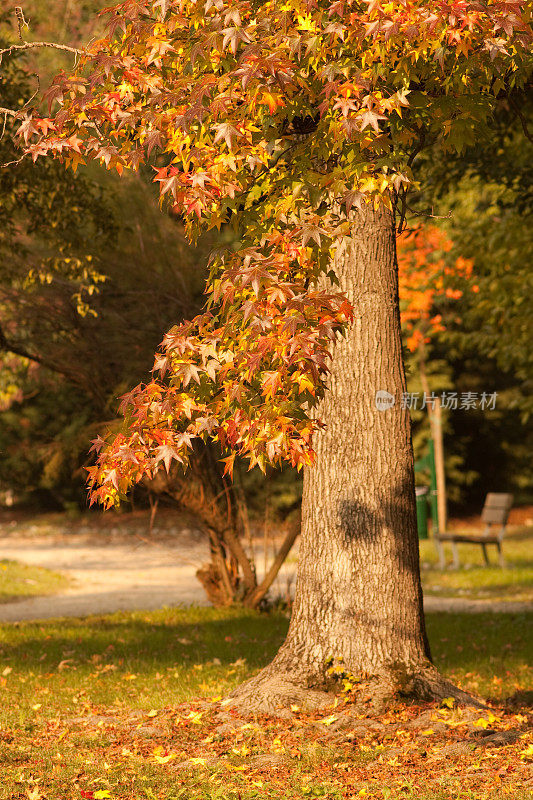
{"x":495,"y":514}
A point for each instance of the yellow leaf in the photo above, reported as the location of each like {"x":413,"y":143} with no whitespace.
{"x":481,"y":723}
{"x":152,"y":713}
{"x":328,"y":720}
{"x":164,"y":759}
{"x":527,"y":754}
{"x":428,"y":732}
{"x":195,"y":717}
{"x":36,"y":707}
{"x":101,"y":794}
{"x":306,"y":23}
{"x":448,"y":702}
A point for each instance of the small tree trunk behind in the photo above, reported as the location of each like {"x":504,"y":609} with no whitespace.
{"x":358,"y":594}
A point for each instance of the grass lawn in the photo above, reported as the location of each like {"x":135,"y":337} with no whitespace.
{"x":128,"y":707}
{"x":19,"y":581}
{"x":475,"y":580}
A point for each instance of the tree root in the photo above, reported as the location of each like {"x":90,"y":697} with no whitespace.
{"x":427,"y":684}
{"x":273,"y":692}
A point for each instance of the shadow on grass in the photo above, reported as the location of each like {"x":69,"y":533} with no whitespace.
{"x":144,"y":641}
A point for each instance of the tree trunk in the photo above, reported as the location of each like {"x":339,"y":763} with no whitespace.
{"x":358,"y":596}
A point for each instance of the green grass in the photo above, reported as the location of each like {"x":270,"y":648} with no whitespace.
{"x":136,"y":668}
{"x":150,"y":660}
{"x":475,"y":580}
{"x":19,"y":581}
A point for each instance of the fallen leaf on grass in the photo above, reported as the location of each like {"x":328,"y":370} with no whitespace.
{"x":448,"y":702}
{"x":101,"y":794}
{"x":195,"y":717}
{"x":162,"y":756}
{"x":483,"y":722}
{"x":164,"y":759}
{"x":527,"y":754}
{"x":328,"y":720}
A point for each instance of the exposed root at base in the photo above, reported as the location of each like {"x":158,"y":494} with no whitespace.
{"x":273,"y":693}
{"x":429,"y":685}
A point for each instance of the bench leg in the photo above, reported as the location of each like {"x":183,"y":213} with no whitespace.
{"x":455,"y":552}
{"x":485,"y":554}
{"x":440,"y":553}
{"x":500,"y":553}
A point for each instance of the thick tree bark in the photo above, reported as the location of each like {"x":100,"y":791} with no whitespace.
{"x":358,"y":594}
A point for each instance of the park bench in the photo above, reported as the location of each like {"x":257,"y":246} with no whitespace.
{"x":495,"y":514}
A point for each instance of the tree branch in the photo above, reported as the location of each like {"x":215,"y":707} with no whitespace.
{"x":31,"y":45}
{"x":9,"y":347}
{"x":255,"y":598}
{"x":523,"y":121}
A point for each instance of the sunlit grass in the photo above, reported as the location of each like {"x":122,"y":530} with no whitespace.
{"x":57,"y":676}
{"x":18,"y":581}
{"x":149,"y":660}
{"x":474,"y":579}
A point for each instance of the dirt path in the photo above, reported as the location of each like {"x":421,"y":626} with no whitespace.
{"x":108,"y":577}
{"x":136,"y":573}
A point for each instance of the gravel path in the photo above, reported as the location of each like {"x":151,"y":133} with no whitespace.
{"x":141,"y":574}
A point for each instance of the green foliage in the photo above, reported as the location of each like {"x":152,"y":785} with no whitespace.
{"x":89,"y":360}
{"x":485,"y":198}
{"x":82,"y":258}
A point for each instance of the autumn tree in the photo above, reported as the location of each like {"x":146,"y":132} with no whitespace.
{"x":298,"y":124}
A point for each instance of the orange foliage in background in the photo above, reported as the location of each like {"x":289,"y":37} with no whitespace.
{"x":423,"y":281}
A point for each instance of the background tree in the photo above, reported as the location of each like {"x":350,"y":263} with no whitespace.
{"x":484,"y":198}
{"x":73,"y":339}
{"x":300,"y":124}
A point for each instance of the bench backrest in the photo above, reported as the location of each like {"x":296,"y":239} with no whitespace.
{"x":496,"y":510}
